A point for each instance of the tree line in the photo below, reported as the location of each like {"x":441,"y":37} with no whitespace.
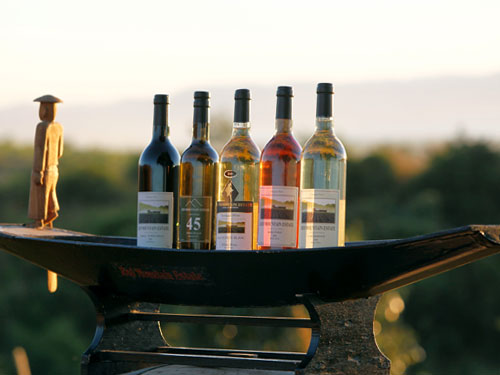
{"x":447,"y":324}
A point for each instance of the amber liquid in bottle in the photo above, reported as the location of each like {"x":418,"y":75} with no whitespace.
{"x":323,"y":180}
{"x":279,"y":181}
{"x":198,"y":175}
{"x":238,"y":183}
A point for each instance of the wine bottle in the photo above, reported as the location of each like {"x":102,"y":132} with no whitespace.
{"x":238,"y":183}
{"x":158,"y":184}
{"x":323,"y":179}
{"x":280,"y":180}
{"x":198,"y":178}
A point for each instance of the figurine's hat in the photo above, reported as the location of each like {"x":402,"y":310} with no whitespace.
{"x":48,"y":99}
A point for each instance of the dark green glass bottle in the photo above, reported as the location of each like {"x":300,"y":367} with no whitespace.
{"x":198,"y":182}
{"x":158,"y":184}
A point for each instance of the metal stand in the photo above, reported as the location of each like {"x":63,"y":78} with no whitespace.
{"x":119,"y":276}
{"x":128,"y":338}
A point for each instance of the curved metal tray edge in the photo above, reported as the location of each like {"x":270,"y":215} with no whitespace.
{"x":246,"y":277}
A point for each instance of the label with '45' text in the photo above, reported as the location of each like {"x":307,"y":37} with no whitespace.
{"x":195,"y":219}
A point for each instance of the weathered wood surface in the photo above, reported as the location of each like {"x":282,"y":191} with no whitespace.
{"x":23,"y":230}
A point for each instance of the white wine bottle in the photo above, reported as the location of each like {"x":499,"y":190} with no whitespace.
{"x":323,"y":180}
{"x":238,"y":183}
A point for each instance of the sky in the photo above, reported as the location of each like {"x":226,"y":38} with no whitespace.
{"x":95,"y":53}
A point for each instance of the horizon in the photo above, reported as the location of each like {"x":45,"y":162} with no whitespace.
{"x":411,"y":113}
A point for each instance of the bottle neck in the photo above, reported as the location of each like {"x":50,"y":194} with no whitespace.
{"x":201,"y":120}
{"x":324,"y":105}
{"x":284,"y":114}
{"x":284,"y":107}
{"x":161,"y":130}
{"x":324,"y":111}
{"x":283,"y":125}
{"x":325,"y":124}
{"x":241,"y":120}
{"x":241,"y":129}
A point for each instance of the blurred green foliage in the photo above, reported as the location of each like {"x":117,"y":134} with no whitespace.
{"x":449,"y":324}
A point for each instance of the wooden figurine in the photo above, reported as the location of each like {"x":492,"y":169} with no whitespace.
{"x":43,"y":205}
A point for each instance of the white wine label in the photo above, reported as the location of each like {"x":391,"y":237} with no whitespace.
{"x":155,"y":214}
{"x":319,"y":210}
{"x":278,"y":216}
{"x":234,"y":226}
{"x":195,"y":219}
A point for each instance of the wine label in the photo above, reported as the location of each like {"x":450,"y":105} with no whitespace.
{"x":155,"y":213}
{"x":319,"y":210}
{"x":195,"y":219}
{"x":234,"y":225}
{"x":278,"y":216}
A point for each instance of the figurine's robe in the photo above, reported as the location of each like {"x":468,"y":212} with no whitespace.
{"x":43,"y":204}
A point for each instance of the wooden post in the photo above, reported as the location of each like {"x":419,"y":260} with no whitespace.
{"x":21,"y":361}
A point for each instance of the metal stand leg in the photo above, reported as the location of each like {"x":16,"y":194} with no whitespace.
{"x":115,"y":332}
{"x":347,"y":344}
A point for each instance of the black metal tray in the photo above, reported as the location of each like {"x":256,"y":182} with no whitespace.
{"x":247,"y":278}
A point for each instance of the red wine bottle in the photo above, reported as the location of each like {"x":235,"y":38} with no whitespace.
{"x":158,"y":184}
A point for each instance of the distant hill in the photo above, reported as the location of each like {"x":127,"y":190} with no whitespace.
{"x":411,"y":111}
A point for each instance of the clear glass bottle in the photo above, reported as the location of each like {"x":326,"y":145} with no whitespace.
{"x":158,"y":178}
{"x":280,"y":180}
{"x":238,"y":183}
{"x":323,"y":180}
{"x":198,"y":177}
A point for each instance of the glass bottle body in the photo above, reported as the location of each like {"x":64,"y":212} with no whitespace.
{"x":198,"y":181}
{"x":323,"y":188}
{"x":158,"y":180}
{"x":238,"y":192}
{"x":279,"y":183}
